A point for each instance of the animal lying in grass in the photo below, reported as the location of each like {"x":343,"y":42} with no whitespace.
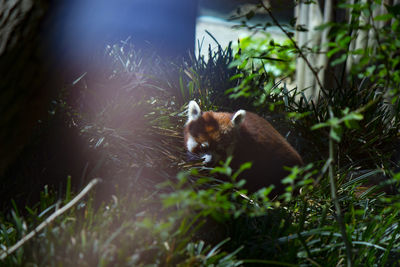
{"x":213,"y":136}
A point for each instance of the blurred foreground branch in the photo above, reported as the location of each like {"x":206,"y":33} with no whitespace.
{"x":50,"y":219}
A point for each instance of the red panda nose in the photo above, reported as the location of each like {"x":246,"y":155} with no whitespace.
{"x":207,"y":158}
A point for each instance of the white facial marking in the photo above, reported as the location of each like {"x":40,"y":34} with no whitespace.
{"x":191,"y":144}
{"x":194,"y":111}
{"x":238,"y":117}
{"x":206,"y":158}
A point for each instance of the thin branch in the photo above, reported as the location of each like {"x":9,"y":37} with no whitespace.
{"x":315,"y":73}
{"x":50,"y":219}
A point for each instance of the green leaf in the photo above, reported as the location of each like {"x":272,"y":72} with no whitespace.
{"x":353,"y":116}
{"x":319,"y":125}
{"x":336,"y":133}
{"x":345,"y":41}
{"x":384,"y":17}
{"x":324,"y":26}
{"x":352,"y":124}
{"x":339,"y":60}
{"x":333,"y":51}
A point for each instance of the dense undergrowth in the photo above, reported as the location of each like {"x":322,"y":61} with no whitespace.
{"x":153,"y":208}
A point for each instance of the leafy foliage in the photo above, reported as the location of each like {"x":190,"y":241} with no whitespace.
{"x":378,"y":61}
{"x":259,"y":57}
{"x":335,"y":209}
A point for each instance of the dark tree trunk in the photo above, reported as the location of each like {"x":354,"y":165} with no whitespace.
{"x":25,"y":77}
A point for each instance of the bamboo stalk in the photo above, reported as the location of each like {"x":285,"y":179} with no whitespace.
{"x":301,"y":40}
{"x":314,"y":18}
{"x":323,"y":58}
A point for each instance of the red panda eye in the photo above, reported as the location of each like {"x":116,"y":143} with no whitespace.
{"x":204,"y":145}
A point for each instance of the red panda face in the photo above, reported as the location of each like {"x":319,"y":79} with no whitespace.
{"x":211,"y":135}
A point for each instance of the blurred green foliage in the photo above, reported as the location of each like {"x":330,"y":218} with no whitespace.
{"x":166,"y":212}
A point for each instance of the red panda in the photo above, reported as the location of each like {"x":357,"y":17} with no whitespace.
{"x":248,"y":138}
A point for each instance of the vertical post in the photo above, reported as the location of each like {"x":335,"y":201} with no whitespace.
{"x":309,"y":16}
{"x":323,"y":58}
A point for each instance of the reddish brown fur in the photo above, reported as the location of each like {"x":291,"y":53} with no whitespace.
{"x":254,"y":140}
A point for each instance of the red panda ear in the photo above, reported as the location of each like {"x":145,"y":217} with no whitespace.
{"x":238,"y":117}
{"x":194,"y":111}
